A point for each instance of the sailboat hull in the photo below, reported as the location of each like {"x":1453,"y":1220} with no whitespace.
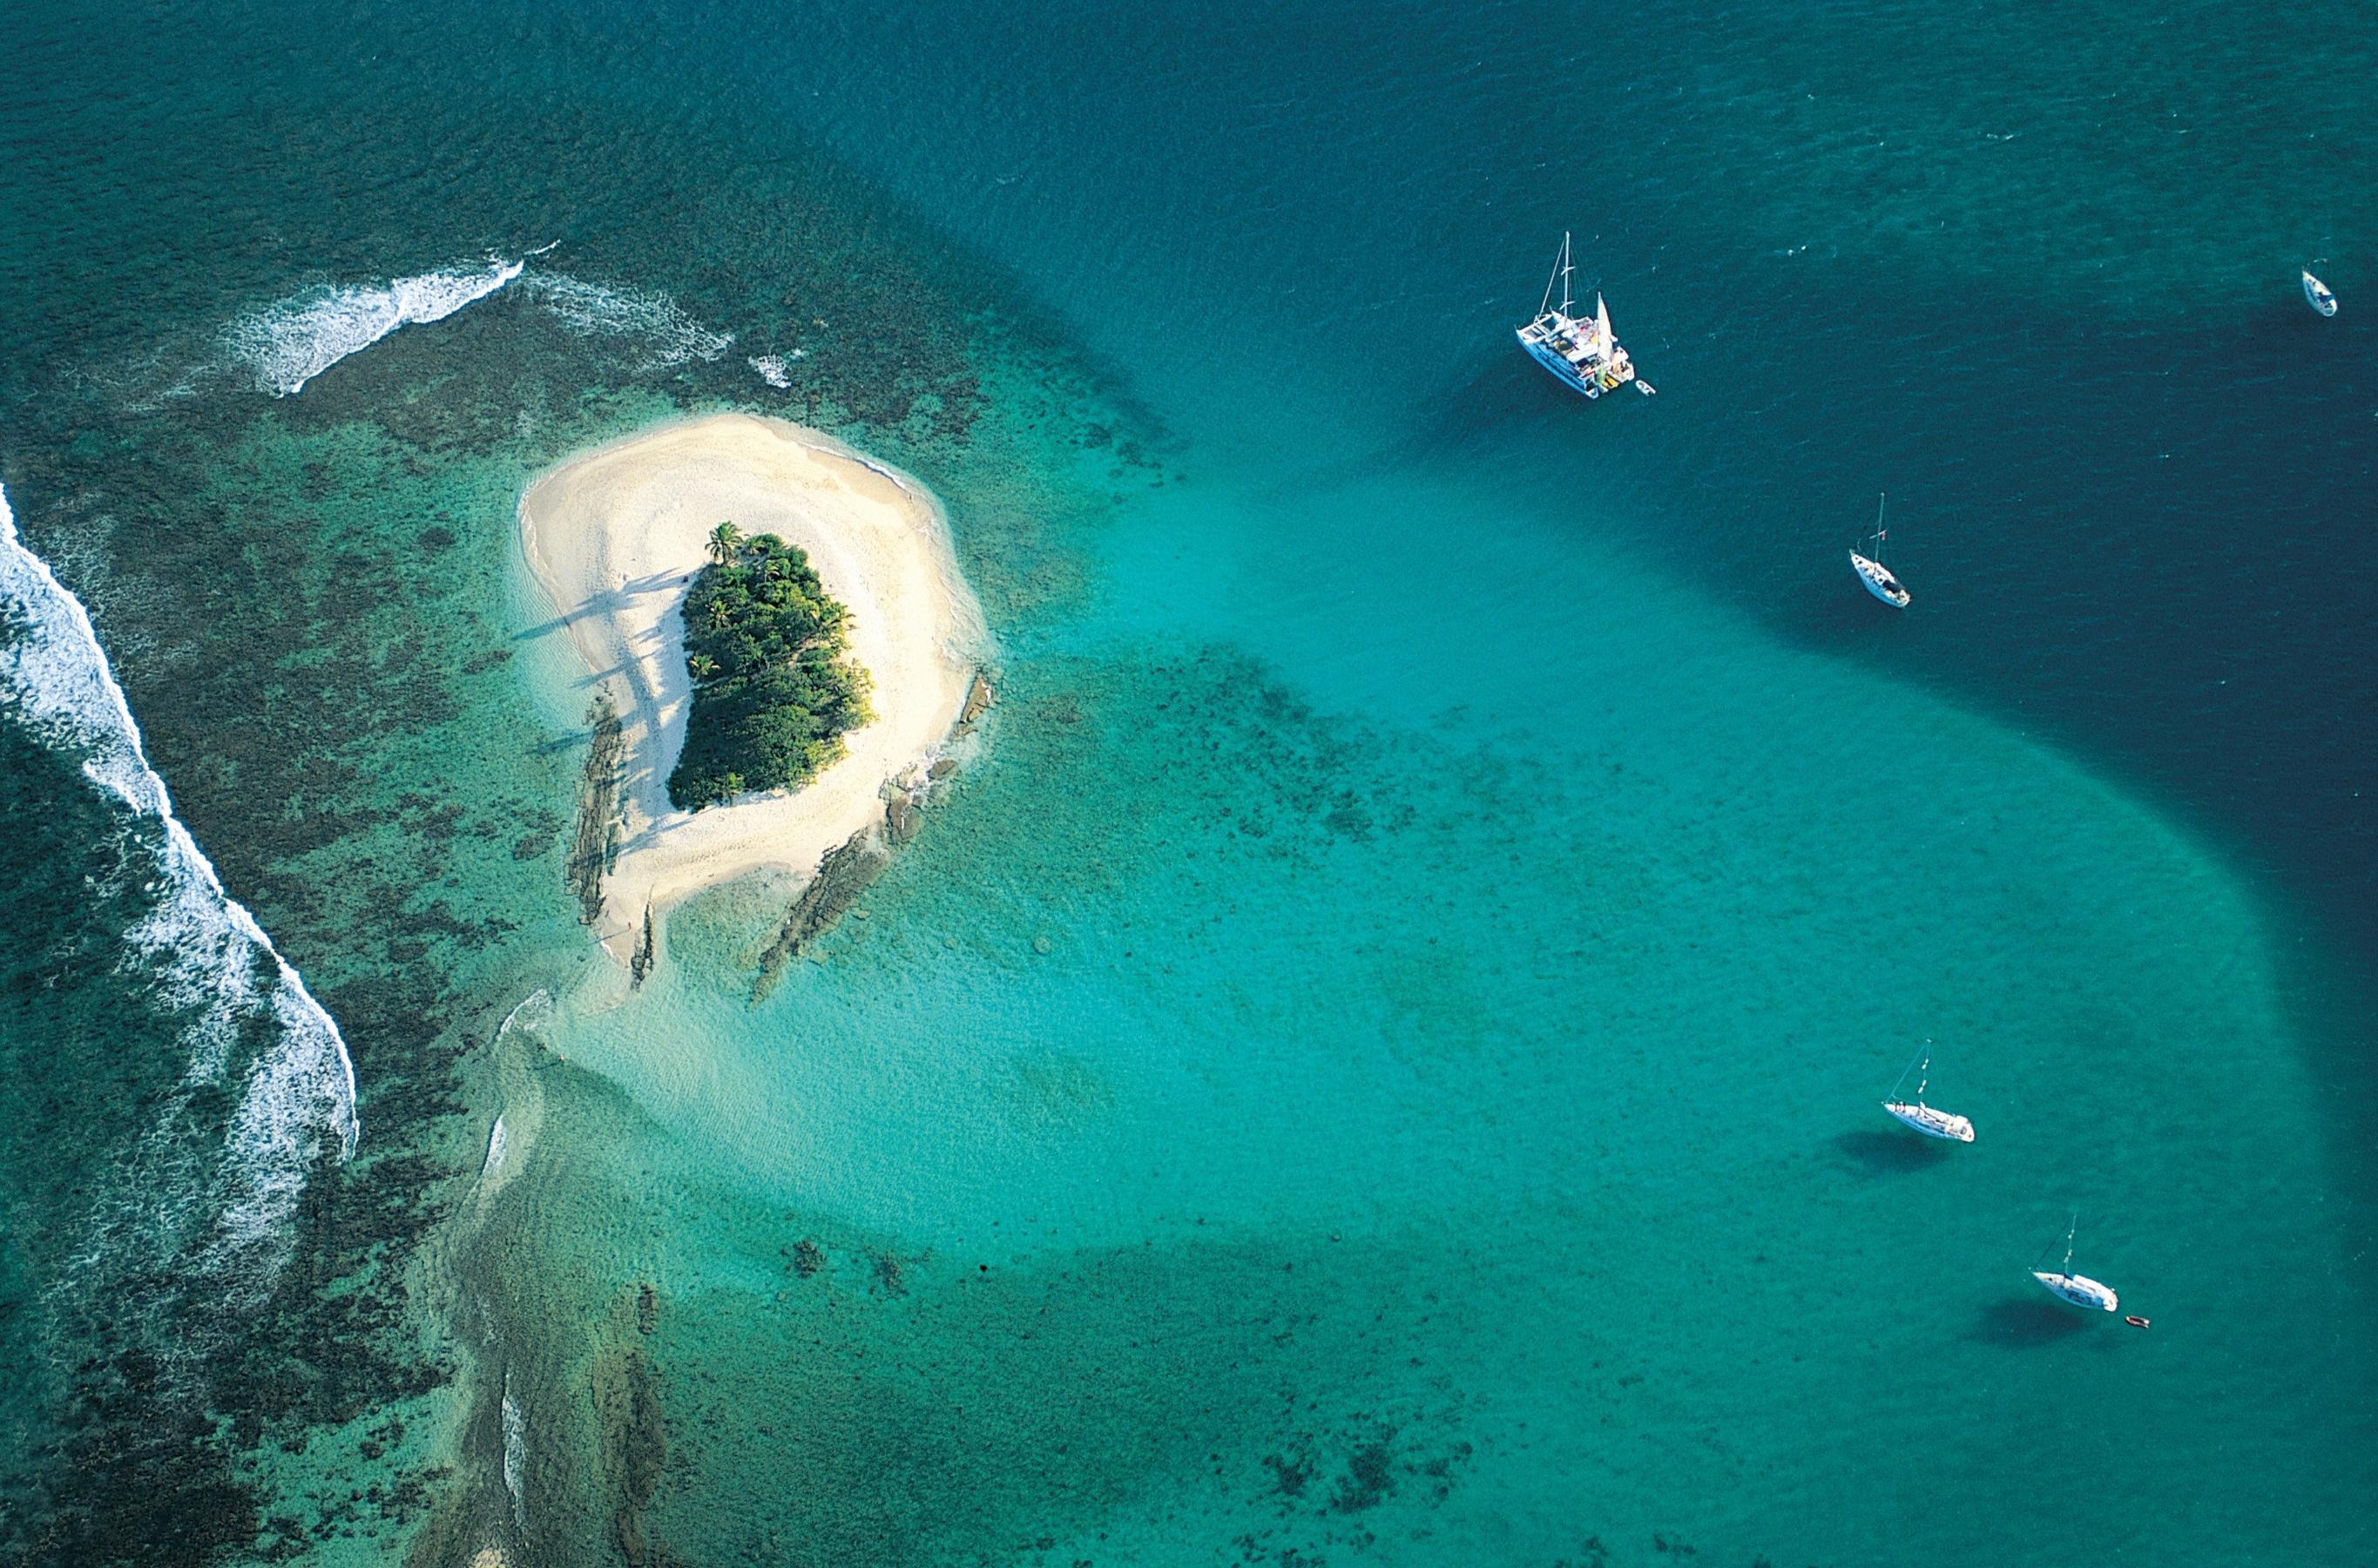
{"x":2079,"y":1290}
{"x":2316,"y":294}
{"x":1880,"y":582}
{"x":1931,"y":1123}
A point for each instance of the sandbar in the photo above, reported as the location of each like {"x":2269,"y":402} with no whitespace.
{"x":615,"y":536}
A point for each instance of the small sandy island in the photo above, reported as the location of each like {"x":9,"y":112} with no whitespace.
{"x":615,"y":537}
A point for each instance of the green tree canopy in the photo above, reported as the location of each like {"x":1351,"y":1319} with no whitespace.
{"x":775,"y":689}
{"x":725,"y":541}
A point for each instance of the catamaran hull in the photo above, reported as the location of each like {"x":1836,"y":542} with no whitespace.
{"x":1561,"y":369}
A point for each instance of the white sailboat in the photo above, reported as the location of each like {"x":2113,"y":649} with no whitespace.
{"x":1924,"y":1118}
{"x":2078,"y":1289}
{"x":1873,"y":574}
{"x":1580,"y":352}
{"x":2316,"y":294}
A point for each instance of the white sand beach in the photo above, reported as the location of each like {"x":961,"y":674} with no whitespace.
{"x":615,"y":537}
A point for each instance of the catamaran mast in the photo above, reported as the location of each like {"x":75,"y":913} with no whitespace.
{"x":1561,"y":270}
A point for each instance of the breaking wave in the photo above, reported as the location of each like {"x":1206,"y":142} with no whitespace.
{"x":289,"y":343}
{"x":495,"y":1159}
{"x":671,"y":337}
{"x":776,"y":369}
{"x":515,"y":1454}
{"x":285,"y":344}
{"x":209,"y":958}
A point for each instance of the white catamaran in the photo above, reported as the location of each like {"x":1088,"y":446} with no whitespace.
{"x":1877,"y":578}
{"x":2066,"y":1286}
{"x":1580,"y":353}
{"x":1924,"y":1118}
{"x":2316,"y":294}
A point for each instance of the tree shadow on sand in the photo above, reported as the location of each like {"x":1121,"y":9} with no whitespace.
{"x":2021,"y":1324}
{"x":1892,"y":1152}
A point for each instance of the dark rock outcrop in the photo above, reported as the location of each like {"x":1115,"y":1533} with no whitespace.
{"x":847,"y":870}
{"x":639,"y":962}
{"x":980,"y":696}
{"x":594,"y":842}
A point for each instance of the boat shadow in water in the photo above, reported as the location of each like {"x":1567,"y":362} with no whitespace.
{"x":2021,"y":1324}
{"x":1892,"y":1150}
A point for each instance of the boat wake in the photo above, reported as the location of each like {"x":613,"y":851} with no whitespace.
{"x":212,"y":967}
{"x":288,"y":344}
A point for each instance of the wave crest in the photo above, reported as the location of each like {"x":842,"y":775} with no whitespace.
{"x":210,"y":958}
{"x":289,"y":343}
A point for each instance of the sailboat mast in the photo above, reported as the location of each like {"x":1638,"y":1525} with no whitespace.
{"x":1566,"y":269}
{"x":1910,"y":1068}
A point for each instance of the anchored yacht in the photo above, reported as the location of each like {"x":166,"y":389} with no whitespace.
{"x":1580,"y":352}
{"x":1873,"y":574}
{"x":2078,"y":1289}
{"x":1927,"y":1119}
{"x":2316,"y":294}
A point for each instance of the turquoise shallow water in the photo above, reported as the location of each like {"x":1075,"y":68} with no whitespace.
{"x":1375,"y":1058}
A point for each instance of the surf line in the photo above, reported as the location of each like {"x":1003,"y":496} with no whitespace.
{"x":288,"y":344}
{"x":55,"y":675}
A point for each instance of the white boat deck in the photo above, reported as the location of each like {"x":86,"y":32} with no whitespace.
{"x":1879,"y":582}
{"x":2079,"y":1289}
{"x":1933,"y":1122}
{"x":1567,"y":346}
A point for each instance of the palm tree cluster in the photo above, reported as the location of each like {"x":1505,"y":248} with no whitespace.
{"x":773,"y":688}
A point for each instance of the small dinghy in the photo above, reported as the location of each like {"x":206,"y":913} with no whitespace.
{"x":2078,"y":1289}
{"x":1924,"y":1118}
{"x":1874,"y":574}
{"x":2316,"y":294}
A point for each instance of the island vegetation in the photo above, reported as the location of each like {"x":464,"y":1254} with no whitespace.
{"x":775,"y":689}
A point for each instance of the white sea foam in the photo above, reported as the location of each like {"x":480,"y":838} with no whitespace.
{"x":670,"y":336}
{"x":288,"y":344}
{"x":776,"y":369}
{"x":515,"y":1454}
{"x":532,"y":1012}
{"x":209,"y":957}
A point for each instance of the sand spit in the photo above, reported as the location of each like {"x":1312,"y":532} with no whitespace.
{"x":615,"y":536}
